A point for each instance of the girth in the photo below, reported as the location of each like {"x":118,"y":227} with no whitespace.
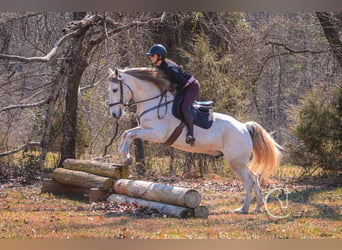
{"x":175,"y":134}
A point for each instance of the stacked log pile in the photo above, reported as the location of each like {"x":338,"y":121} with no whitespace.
{"x":99,"y":179}
{"x":83,"y":176}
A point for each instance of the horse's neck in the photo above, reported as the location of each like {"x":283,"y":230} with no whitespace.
{"x":143,"y":91}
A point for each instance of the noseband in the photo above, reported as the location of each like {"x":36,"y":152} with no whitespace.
{"x":121,"y":83}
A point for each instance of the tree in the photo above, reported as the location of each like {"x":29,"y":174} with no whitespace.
{"x":81,"y":36}
{"x":331,"y":24}
{"x":318,"y":125}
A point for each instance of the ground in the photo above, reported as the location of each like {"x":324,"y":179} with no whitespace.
{"x":313,"y":211}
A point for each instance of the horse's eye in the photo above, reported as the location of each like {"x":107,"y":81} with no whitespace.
{"x":115,"y":90}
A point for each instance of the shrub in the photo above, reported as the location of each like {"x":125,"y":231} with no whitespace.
{"x":318,"y":128}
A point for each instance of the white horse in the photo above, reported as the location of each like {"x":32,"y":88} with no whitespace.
{"x":237,"y":142}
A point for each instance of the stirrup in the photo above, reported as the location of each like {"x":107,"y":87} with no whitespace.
{"x":190,"y":140}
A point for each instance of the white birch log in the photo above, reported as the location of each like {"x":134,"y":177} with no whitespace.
{"x":162,"y":208}
{"x":178,"y":196}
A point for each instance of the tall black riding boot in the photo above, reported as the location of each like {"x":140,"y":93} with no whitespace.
{"x":189,"y":121}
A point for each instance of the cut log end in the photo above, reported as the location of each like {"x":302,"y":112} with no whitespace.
{"x":192,"y":198}
{"x":201,"y":212}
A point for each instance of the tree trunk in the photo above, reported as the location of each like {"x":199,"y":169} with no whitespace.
{"x":50,"y":113}
{"x":78,"y":65}
{"x":189,"y":163}
{"x":138,"y":145}
{"x":5,"y":39}
{"x":81,"y":179}
{"x":98,"y":168}
{"x":158,"y":192}
{"x":77,"y":62}
{"x":172,"y":162}
{"x":331,"y":29}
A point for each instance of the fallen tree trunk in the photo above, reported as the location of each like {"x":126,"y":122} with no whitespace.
{"x":178,"y":196}
{"x":98,"y":168}
{"x":81,"y":179}
{"x":162,"y":208}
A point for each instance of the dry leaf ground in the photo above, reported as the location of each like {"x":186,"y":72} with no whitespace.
{"x":313,"y":212}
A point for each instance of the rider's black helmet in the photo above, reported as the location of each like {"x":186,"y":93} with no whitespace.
{"x":157,"y":49}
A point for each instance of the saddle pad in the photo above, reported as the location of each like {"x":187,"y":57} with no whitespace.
{"x":202,"y":117}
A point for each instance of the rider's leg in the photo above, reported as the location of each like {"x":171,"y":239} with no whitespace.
{"x":191,"y":93}
{"x":189,"y":121}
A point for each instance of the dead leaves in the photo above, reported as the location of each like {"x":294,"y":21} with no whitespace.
{"x":133,"y":209}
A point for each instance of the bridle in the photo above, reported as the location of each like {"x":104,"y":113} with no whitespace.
{"x":122,"y":83}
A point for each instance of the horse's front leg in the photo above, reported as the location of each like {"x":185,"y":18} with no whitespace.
{"x":129,"y":135}
{"x":124,"y":147}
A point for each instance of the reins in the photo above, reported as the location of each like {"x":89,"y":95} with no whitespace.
{"x":162,"y":96}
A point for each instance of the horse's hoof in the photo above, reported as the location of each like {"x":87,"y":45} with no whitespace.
{"x":128,"y":161}
{"x":240,"y":211}
{"x":257,"y":211}
{"x":133,"y":177}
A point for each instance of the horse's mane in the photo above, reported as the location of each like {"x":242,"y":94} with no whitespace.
{"x":152,"y":75}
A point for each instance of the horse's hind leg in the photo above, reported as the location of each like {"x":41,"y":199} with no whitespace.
{"x":243,"y":173}
{"x":257,"y":189}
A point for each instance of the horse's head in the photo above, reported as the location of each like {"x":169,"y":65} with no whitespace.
{"x":119,"y":93}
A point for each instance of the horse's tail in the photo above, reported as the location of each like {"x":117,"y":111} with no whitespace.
{"x":266,"y":152}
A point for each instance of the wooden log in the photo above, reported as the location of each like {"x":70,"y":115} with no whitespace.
{"x":178,"y":196}
{"x":81,"y":179}
{"x":201,"y":212}
{"x":105,"y":169}
{"x":96,"y":194}
{"x":51,"y":186}
{"x":162,"y":208}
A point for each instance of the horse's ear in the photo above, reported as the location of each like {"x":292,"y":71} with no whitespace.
{"x":110,"y":71}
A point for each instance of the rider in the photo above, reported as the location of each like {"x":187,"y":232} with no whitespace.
{"x":187,"y":85}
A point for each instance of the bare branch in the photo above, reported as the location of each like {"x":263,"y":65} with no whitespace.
{"x":19,"y":149}
{"x":79,"y":24}
{"x":93,"y":84}
{"x":295,"y":51}
{"x":163,"y":17}
{"x":45,"y":58}
{"x":10,"y":18}
{"x":121,"y":27}
{"x":21,"y":106}
{"x":75,"y":26}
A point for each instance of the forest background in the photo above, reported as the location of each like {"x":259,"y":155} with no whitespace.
{"x":282,"y":70}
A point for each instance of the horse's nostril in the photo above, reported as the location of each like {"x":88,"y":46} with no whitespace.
{"x":117,"y":116}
